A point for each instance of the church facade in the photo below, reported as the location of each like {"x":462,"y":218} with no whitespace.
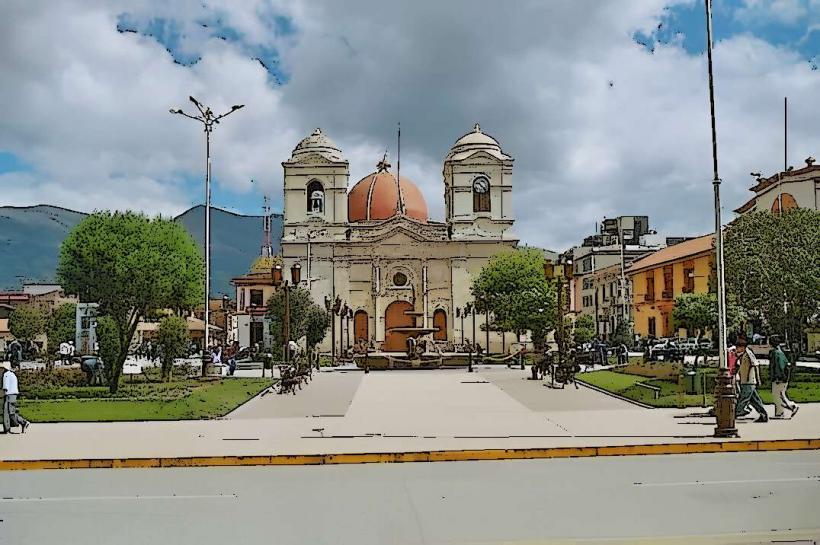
{"x":374,"y":247}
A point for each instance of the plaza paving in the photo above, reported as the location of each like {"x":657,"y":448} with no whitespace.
{"x":399,"y":411}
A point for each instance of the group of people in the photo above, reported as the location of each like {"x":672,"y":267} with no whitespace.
{"x":11,"y":417}
{"x":228,"y":355}
{"x":66,"y":351}
{"x":743,"y":365}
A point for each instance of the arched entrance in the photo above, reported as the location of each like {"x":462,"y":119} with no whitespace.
{"x":360,"y":326}
{"x":394,"y":316}
{"x":440,"y":321}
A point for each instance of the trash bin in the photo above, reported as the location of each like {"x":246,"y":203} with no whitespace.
{"x":691,"y":381}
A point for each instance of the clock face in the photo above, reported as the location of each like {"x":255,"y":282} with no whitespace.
{"x":481,"y":185}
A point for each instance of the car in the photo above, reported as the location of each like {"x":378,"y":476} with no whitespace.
{"x":665,"y":350}
{"x":687,"y":344}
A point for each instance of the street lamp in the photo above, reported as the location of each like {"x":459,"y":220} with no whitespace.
{"x":560,"y":271}
{"x":725,"y":398}
{"x":208,"y":119}
{"x":470,"y":309}
{"x":278,"y":281}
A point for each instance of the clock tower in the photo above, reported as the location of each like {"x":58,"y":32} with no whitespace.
{"x":478,"y":188}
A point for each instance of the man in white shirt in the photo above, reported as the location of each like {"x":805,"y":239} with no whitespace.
{"x":11,"y":417}
{"x":65,"y":353}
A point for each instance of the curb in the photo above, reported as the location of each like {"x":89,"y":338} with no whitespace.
{"x":616,"y":396}
{"x":424,"y":456}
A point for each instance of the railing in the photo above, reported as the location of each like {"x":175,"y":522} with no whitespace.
{"x":656,"y":391}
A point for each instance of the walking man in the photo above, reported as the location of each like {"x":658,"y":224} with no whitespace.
{"x":11,"y":418}
{"x":16,"y":350}
{"x":64,"y":353}
{"x":749,"y":378}
{"x":779,"y":369}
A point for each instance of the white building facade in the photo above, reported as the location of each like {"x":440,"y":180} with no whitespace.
{"x":374,"y":247}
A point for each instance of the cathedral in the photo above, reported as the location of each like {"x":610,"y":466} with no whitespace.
{"x":374,"y":247}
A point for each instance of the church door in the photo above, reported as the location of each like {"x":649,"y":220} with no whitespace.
{"x":394,"y":316}
{"x":360,"y":326}
{"x":440,"y":321}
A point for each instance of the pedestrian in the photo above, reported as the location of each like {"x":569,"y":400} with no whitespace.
{"x":232,"y":353}
{"x":16,"y":350}
{"x":64,"y":353}
{"x":293,"y":350}
{"x":749,"y":377}
{"x":623,"y":354}
{"x":11,"y":418}
{"x":779,"y":371}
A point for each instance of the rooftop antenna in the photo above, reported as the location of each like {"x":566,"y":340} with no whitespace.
{"x":785,"y":133}
{"x":267,"y":250}
{"x":398,"y":172}
{"x":785,"y":155}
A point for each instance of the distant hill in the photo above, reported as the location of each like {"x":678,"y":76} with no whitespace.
{"x":30,"y":239}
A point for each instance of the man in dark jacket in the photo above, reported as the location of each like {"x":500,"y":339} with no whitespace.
{"x":779,"y":370}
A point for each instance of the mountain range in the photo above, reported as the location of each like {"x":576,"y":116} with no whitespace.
{"x":30,"y":239}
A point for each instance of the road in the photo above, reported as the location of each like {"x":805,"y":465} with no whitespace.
{"x":764,"y":496}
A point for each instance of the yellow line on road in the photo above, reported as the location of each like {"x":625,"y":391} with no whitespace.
{"x":422,"y":456}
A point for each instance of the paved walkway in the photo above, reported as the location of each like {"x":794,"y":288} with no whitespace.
{"x":399,"y":411}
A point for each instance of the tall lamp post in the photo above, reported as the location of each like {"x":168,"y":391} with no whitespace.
{"x":208,"y":119}
{"x":560,"y":271}
{"x":295,"y":278}
{"x":724,"y":392}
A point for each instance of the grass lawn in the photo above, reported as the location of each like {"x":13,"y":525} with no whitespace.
{"x":804,"y":388}
{"x":188,"y":399}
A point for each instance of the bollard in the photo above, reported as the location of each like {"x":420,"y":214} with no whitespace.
{"x":680,"y":391}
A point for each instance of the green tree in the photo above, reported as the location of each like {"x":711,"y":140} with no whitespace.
{"x":773,"y":267}
{"x":108,"y":337}
{"x":300,"y":305}
{"x":61,"y":325}
{"x":173,"y":340}
{"x":318,"y":320}
{"x":698,"y":312}
{"x":623,"y":334}
{"x":512,"y":285}
{"x":583,"y":330}
{"x":131,"y":265}
{"x":26,"y":322}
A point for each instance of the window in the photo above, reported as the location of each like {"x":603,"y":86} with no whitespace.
{"x":315,"y":197}
{"x":481,"y":194}
{"x":688,"y":277}
{"x":651,"y":327}
{"x":256,"y":298}
{"x":650,"y":287}
{"x":586,"y":264}
{"x":784,"y":201}
{"x":399,"y":279}
{"x":667,"y":282}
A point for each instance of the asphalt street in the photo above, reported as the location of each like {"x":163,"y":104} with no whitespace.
{"x":738,"y":498}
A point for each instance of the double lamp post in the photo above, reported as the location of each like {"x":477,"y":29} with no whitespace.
{"x":280,"y":283}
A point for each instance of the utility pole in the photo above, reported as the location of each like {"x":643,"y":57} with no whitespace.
{"x":725,"y":398}
{"x":208,"y":119}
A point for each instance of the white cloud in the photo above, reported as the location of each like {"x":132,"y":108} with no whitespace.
{"x":90,"y":104}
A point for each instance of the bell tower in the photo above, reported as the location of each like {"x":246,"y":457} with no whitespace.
{"x":478,"y":188}
{"x":315,"y":184}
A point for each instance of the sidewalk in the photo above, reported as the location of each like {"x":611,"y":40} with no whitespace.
{"x":403,"y":412}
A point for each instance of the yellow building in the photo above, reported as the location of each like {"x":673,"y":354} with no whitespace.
{"x":660,"y":277}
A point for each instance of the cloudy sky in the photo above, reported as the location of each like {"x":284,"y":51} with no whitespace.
{"x":603,"y":104}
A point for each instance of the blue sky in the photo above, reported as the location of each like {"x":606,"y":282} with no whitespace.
{"x":558,"y":83}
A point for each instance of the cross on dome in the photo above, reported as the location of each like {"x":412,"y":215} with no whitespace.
{"x":383,"y":165}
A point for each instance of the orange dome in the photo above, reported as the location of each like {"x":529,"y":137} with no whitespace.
{"x":376,"y":197}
